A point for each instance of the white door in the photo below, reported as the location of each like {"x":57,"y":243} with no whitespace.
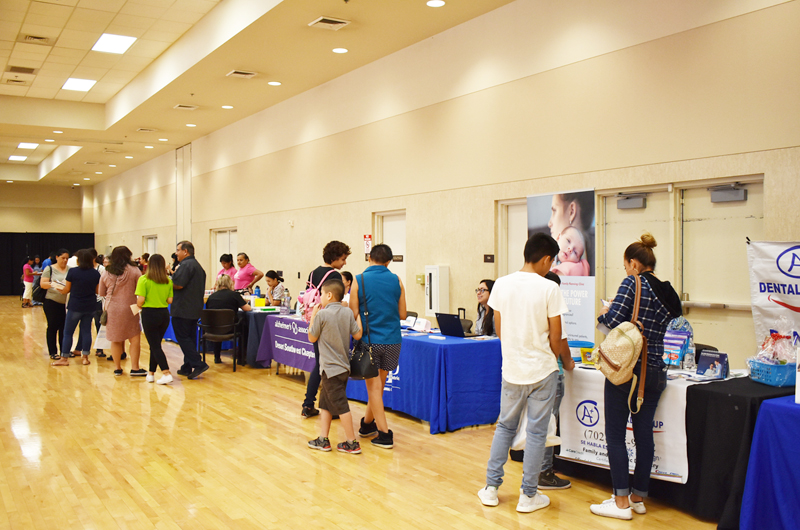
{"x":516,"y":237}
{"x":151,"y":245}
{"x":394,"y":235}
{"x":224,"y":243}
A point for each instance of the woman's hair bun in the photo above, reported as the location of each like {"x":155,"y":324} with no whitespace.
{"x":648,"y":240}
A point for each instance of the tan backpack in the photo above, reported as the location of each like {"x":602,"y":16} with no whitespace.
{"x":625,"y":344}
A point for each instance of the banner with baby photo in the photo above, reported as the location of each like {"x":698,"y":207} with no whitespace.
{"x":570,"y":218}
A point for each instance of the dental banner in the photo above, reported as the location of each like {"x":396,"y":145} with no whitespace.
{"x":774,"y":285}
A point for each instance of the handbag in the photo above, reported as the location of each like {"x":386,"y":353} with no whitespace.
{"x":104,"y":314}
{"x":362,"y":365}
{"x":39,"y":294}
{"x":618,"y":354}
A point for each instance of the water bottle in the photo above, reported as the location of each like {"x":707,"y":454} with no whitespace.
{"x":257,"y":292}
{"x":688,"y":359}
{"x":286,"y":303}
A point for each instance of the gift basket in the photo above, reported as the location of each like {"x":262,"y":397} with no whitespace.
{"x":775,"y":364}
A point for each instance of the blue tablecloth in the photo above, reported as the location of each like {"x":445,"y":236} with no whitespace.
{"x":451,"y":383}
{"x":255,"y":330}
{"x":772,"y":487}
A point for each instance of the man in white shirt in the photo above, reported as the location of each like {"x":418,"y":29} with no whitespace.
{"x":527,"y":311}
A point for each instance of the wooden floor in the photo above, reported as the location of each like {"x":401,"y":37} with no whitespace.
{"x":80,"y":448}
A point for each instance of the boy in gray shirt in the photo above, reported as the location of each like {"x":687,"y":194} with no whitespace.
{"x":331,"y":326}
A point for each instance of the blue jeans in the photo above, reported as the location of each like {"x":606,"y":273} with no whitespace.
{"x":616,"y":415}
{"x":540,"y":398}
{"x":73,"y":319}
{"x":547,"y":463}
{"x":186,"y":336}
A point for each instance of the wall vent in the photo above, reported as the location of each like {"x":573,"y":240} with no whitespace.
{"x":186,"y":107}
{"x":329,"y":23}
{"x":146,"y":129}
{"x":244,"y":74}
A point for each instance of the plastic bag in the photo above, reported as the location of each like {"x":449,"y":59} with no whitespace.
{"x":777,"y":347}
{"x":518,"y":443}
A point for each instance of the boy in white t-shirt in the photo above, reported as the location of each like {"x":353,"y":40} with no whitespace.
{"x":527,"y":309}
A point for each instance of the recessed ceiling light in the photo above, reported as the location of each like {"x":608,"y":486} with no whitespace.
{"x":128,"y":156}
{"x":10,"y":181}
{"x":148,"y":147}
{"x":340,"y":50}
{"x":86,"y":178}
{"x":191,"y":125}
{"x":163,"y":140}
{"x":96,"y":173}
{"x":110,"y":43}
{"x":26,"y":145}
{"x":78,"y":85}
{"x":76,"y":184}
{"x":435,"y":3}
{"x":58,"y":132}
{"x":17,"y":158}
{"x":112,"y":165}
{"x":49,"y":140}
{"x":227,"y":107}
{"x":274,"y":83}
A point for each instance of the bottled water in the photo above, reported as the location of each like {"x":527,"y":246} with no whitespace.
{"x":257,"y":292}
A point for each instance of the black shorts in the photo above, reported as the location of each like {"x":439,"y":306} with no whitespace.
{"x":386,"y":356}
{"x":333,"y":395}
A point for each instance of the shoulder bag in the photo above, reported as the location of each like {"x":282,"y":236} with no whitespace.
{"x":39,"y":294}
{"x":104,"y":314}
{"x":362,"y":365}
{"x":618,"y":354}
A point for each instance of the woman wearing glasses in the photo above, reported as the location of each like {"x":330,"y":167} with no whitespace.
{"x":485,"y":323}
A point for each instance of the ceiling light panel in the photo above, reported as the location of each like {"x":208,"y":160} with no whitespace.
{"x":109,"y":43}
{"x":78,"y":85}
{"x":17,"y":158}
{"x":26,"y":145}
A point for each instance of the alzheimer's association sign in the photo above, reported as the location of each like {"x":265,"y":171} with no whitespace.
{"x":774,"y":285}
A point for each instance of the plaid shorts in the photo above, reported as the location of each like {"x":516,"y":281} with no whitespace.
{"x":386,"y":356}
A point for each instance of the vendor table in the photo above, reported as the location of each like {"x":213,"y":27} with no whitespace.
{"x":447,"y":381}
{"x":720,"y":419}
{"x":285,"y":339}
{"x":772,"y":488}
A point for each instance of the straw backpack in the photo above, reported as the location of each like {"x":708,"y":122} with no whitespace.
{"x":625,"y":344}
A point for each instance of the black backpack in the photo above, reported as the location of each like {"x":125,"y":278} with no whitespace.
{"x":39,"y":294}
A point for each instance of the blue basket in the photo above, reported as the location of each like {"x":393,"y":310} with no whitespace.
{"x":773,"y":374}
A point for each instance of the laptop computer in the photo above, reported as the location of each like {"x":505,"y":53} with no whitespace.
{"x":450,"y":325}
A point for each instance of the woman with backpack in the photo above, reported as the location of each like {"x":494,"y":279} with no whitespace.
{"x":659,"y":304}
{"x":334,"y":257}
{"x":54,"y":278}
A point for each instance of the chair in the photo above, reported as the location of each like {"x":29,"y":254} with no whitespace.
{"x":220,"y":325}
{"x":412,"y":314}
{"x":466,"y":325}
{"x":700,"y":347}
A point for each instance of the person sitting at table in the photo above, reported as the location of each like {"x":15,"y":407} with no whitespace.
{"x":226,"y":260}
{"x":224,"y":297}
{"x":658,"y":306}
{"x":347,"y":280}
{"x":382,"y":292}
{"x":276,"y":288}
{"x":485,"y":322}
{"x":247,"y":276}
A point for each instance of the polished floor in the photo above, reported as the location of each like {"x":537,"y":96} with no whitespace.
{"x":81,"y":448}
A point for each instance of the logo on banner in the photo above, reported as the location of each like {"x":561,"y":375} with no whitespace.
{"x":788,"y":262}
{"x":294,"y":328}
{"x":587,"y":412}
{"x":392,"y":378}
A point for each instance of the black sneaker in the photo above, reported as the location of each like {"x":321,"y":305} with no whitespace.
{"x":309,"y":412}
{"x":354,"y":448}
{"x":384,"y":440}
{"x":217,"y":360}
{"x":197,"y":371}
{"x":184,"y":372}
{"x":367,"y":429}
{"x":548,"y":480}
{"x":140,"y":372}
{"x":320,"y":444}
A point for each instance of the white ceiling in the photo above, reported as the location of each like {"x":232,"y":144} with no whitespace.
{"x":183,"y":50}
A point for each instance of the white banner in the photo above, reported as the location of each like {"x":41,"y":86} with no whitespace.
{"x":774,"y":285}
{"x":583,"y":429}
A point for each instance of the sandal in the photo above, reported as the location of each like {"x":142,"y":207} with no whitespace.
{"x":60,"y":363}
{"x":118,"y":372}
{"x":99,"y":354}
{"x":85,"y":360}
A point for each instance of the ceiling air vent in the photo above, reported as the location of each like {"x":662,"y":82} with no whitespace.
{"x":241,"y":73}
{"x":22,"y":70}
{"x":186,"y":107}
{"x":34,"y":39}
{"x":146,"y":129}
{"x":108,"y":151}
{"x":329,"y":23}
{"x":17,"y":82}
{"x":90,"y":163}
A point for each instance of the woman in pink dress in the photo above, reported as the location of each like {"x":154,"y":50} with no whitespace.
{"x":226,"y":260}
{"x":118,"y":286}
{"x":247,"y":276}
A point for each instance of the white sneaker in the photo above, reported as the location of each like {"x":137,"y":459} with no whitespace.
{"x":608,"y":508}
{"x":150,"y":378}
{"x":165,"y":380}
{"x":488,"y":496}
{"x":531,"y":504}
{"x":637,"y":507}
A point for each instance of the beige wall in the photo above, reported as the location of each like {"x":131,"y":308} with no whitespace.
{"x":38,"y":208}
{"x":715,"y":102}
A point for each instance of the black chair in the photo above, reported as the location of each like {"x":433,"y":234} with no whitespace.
{"x":466,"y":325}
{"x":698,"y":348}
{"x":412,"y":314}
{"x":220,"y":325}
